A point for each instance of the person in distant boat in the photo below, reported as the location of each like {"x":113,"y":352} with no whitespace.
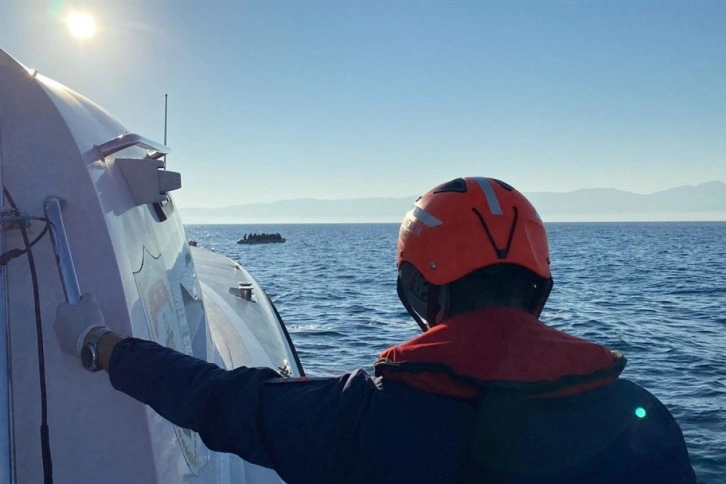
{"x":488,"y":393}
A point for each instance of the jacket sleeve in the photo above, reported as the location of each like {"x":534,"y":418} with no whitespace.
{"x":299,"y":427}
{"x":184,"y":390}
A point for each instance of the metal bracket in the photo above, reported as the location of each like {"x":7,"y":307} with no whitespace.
{"x":12,"y":219}
{"x":284,"y":369}
{"x":147,"y":180}
{"x":242,"y":291}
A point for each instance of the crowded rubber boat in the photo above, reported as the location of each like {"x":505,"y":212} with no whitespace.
{"x":263,"y":238}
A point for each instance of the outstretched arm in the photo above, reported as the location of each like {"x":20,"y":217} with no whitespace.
{"x":305,"y":429}
{"x":187,"y":391}
{"x":224,"y":406}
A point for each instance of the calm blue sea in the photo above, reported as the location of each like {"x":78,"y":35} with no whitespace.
{"x":655,"y":291}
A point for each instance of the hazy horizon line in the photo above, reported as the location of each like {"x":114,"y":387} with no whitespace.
{"x":551,"y":222}
{"x":413,"y":197}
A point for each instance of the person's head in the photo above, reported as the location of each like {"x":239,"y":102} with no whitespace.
{"x":468,"y":244}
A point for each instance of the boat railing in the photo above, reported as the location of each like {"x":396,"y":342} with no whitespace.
{"x":154,"y":150}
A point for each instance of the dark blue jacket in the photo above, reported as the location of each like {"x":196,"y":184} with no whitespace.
{"x":354,"y":428}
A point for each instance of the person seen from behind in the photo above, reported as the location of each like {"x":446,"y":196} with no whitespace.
{"x":488,"y":393}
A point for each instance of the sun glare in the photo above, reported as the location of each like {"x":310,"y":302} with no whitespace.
{"x":81,"y":25}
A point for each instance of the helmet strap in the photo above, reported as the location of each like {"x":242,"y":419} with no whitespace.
{"x":404,"y":300}
{"x":540,"y":296}
{"x":433,"y":305}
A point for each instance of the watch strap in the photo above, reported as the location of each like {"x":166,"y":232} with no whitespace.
{"x":95,"y":334}
{"x":89,"y":352}
{"x":84,"y":334}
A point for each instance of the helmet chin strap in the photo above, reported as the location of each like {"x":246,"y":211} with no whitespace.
{"x":433,"y":305}
{"x":404,"y":300}
{"x":540,"y":296}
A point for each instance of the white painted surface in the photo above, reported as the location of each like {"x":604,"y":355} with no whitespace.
{"x":47,"y":138}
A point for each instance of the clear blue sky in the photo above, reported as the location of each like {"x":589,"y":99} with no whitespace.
{"x":273,"y":100}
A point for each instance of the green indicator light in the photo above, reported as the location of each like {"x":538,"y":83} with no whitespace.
{"x":640,"y":412}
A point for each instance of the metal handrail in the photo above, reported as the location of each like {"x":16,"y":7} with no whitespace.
{"x":154,"y":150}
{"x":54,"y":213}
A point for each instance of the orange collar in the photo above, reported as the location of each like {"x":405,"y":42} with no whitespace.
{"x":499,"y":348}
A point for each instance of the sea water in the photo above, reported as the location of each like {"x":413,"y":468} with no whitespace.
{"x":655,"y":291}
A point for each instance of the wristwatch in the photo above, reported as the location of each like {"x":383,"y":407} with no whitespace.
{"x":89,"y":352}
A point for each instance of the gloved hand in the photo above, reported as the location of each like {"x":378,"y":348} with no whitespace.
{"x":74,"y":321}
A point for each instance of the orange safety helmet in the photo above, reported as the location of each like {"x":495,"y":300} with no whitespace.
{"x":459,"y":227}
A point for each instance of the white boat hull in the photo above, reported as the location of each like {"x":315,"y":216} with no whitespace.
{"x":143,"y":274}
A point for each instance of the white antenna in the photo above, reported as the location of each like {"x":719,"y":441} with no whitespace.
{"x":166,"y":103}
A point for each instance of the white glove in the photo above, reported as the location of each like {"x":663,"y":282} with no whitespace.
{"x":73,"y":322}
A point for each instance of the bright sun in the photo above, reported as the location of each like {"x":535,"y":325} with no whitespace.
{"x":81,"y":25}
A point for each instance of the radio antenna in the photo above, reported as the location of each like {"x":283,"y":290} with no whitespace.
{"x":166,"y":104}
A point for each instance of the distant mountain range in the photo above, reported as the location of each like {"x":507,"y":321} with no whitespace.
{"x":706,"y":201}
